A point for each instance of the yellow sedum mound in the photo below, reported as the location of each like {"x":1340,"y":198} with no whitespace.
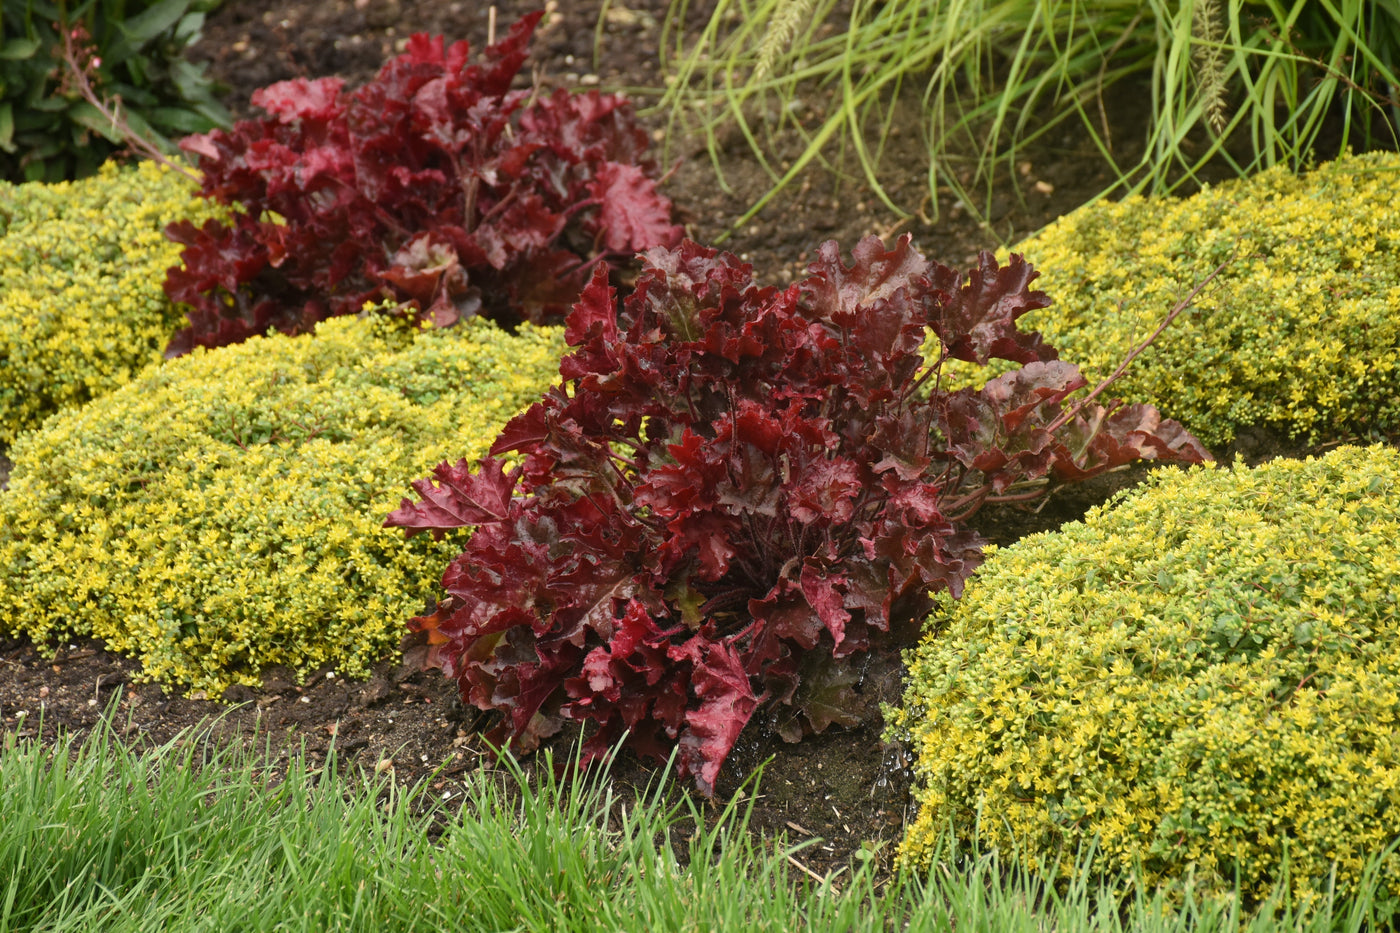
{"x":1300,"y":332}
{"x":221,"y":513}
{"x":82,"y":309}
{"x":1200,"y":675}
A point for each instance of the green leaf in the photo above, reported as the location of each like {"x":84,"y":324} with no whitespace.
{"x":19,"y":49}
{"x":117,"y":52}
{"x":189,"y":29}
{"x":215,"y":112}
{"x":141,"y":128}
{"x":144,"y":27}
{"x":190,"y":80}
{"x":89,"y":117}
{"x":179,"y":120}
{"x":43,"y":104}
{"x":7,"y":127}
{"x":136,"y":67}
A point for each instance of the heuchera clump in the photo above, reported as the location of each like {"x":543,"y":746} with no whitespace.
{"x":736,"y":492}
{"x":435,"y":184}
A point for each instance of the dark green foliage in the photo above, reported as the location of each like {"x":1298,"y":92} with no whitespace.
{"x":131,"y":55}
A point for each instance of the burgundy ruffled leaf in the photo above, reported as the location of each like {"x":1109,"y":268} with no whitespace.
{"x":631,"y":214}
{"x":725,"y":703}
{"x":975,"y":315}
{"x":848,"y":296}
{"x":827,"y":697}
{"x":1100,"y":439}
{"x":826,"y":490}
{"x":631,"y":684}
{"x":825,"y":596}
{"x":301,"y":99}
{"x":458,"y":499}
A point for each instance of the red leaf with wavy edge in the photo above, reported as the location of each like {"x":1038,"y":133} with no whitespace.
{"x":527,"y":429}
{"x":824,"y":594}
{"x":976,"y":316}
{"x":596,"y":125}
{"x":827,"y":697}
{"x":529,"y":193}
{"x":427,"y":271}
{"x":787,"y":614}
{"x":589,"y":593}
{"x":999,"y":430}
{"x":593,"y":319}
{"x":827,"y":490}
{"x":301,"y":99}
{"x":630,"y":212}
{"x":846,"y":296}
{"x":708,"y":537}
{"x":460,"y":498}
{"x":1018,"y":394}
{"x":628,"y":682}
{"x":1107,"y":438}
{"x":726,"y":701}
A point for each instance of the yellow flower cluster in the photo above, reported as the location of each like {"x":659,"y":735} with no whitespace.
{"x":82,"y":309}
{"x":222,"y":512}
{"x":1299,"y":332}
{"x":1201,"y":676}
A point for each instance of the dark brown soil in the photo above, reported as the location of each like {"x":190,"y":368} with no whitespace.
{"x":845,"y":787}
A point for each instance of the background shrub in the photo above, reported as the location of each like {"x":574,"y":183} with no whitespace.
{"x":127,"y":51}
{"x":434,"y":184}
{"x":81,"y":305}
{"x":222,"y":512}
{"x":1200,"y":675}
{"x":1299,"y":332}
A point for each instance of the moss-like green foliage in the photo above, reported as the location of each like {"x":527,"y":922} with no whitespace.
{"x":1299,"y":332}
{"x":222,"y":512}
{"x":1201,"y":675}
{"x":81,"y":304}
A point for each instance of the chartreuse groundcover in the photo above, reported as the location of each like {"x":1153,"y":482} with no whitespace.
{"x":222,"y":512}
{"x":1201,"y":679}
{"x":81,"y":305}
{"x":1298,"y":332}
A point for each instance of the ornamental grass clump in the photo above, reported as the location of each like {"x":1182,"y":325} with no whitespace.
{"x":736,"y":495}
{"x":1238,"y":84}
{"x":435,"y":185}
{"x":1200,"y":680}
{"x":81,"y":307}
{"x":1299,"y":331}
{"x":220,"y":513}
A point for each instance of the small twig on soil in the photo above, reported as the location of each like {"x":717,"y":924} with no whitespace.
{"x":813,"y":875}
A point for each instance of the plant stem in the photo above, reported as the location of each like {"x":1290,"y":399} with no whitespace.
{"x":1181,"y":306}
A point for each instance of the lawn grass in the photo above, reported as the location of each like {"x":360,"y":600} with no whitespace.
{"x":197,"y":835}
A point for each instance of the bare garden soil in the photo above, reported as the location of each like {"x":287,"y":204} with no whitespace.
{"x":845,"y":787}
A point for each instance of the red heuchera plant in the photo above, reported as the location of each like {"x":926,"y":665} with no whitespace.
{"x":435,"y":184}
{"x":736,"y":492}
